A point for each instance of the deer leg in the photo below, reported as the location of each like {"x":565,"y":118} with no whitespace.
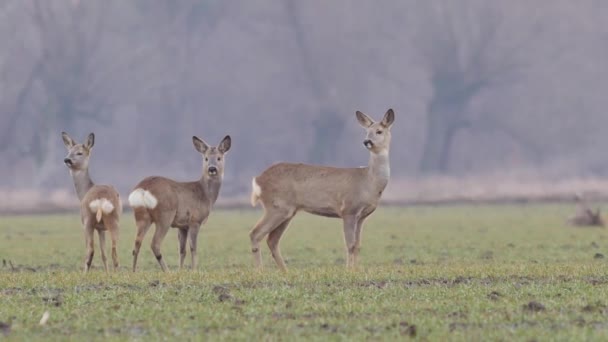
{"x":88,"y":239}
{"x":162,"y":228}
{"x":182,"y":236}
{"x":143,"y":224}
{"x":113,"y":228}
{"x":102,"y":248}
{"x":267,"y":223}
{"x":193,"y":234}
{"x":273,"y":243}
{"x":357,"y":248}
{"x":350,"y":225}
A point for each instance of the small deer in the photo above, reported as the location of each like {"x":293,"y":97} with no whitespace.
{"x":585,"y":217}
{"x":182,"y":205}
{"x":351,"y":194}
{"x":100,"y":205}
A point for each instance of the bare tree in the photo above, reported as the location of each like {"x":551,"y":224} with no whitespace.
{"x":329,"y":125}
{"x":78,"y":73}
{"x":466,"y":51}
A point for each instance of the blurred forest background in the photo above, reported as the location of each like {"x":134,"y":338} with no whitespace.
{"x":502,"y":93}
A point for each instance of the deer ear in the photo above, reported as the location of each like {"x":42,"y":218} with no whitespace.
{"x":199,"y":144}
{"x":224,"y":146}
{"x":67,"y":141}
{"x":388,"y":119}
{"x":364,"y":120}
{"x":90,"y":141}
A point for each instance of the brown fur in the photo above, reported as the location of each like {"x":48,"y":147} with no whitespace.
{"x":78,"y":157}
{"x":351,"y":194}
{"x":585,"y":217}
{"x":182,"y":205}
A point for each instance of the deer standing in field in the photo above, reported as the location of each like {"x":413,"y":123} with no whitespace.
{"x":182,"y":205}
{"x":585,"y":217}
{"x":351,"y":194}
{"x":100,"y":205}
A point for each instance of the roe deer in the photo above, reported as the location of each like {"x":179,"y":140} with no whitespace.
{"x":100,"y":205}
{"x":182,"y":205}
{"x":585,"y":216}
{"x":348,"y":193}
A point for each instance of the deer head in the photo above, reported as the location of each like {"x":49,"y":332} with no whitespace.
{"x":78,"y":154}
{"x":378,"y":134}
{"x":213,"y":157}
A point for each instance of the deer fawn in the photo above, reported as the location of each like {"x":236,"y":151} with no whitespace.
{"x":348,"y":193}
{"x":182,"y":205}
{"x":100,"y":205}
{"x":585,"y":216}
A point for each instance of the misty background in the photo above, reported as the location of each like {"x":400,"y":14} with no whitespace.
{"x":488,"y":95}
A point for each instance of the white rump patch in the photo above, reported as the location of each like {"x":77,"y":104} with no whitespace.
{"x":256,"y":192}
{"x":142,"y":198}
{"x":103,"y":204}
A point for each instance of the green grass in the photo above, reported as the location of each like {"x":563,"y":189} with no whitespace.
{"x":456,"y":273}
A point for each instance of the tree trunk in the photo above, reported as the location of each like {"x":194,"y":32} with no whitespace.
{"x":328,"y":128}
{"x":443,"y":122}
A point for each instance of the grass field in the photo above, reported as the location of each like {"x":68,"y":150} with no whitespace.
{"x":444,"y":273}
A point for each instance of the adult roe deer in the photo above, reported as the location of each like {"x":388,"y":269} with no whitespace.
{"x":100,"y":205}
{"x":182,"y":205}
{"x":348,"y":193}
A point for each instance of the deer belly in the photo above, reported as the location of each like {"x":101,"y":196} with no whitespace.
{"x":322,"y":211}
{"x":187,"y":218}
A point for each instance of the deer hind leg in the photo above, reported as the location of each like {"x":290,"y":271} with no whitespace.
{"x":273,"y":243}
{"x":162,"y":228}
{"x":350,"y":238}
{"x":193,"y":234}
{"x":182,"y":237}
{"x":143,"y":223}
{"x":90,"y":245}
{"x":102,"y":248}
{"x":269,"y":222}
{"x":114,"y":229}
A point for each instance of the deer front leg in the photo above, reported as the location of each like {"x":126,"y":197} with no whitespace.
{"x":89,"y":242}
{"x":193,"y":234}
{"x":182,"y":236}
{"x":357,"y":248}
{"x":350,"y":230}
{"x":102,"y":248}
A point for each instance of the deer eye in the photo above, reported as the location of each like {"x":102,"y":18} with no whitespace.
{"x":378,"y":132}
{"x":206,"y":159}
{"x":218,"y":158}
{"x":79,"y":153}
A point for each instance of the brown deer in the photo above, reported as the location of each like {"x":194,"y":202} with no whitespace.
{"x":585,"y":217}
{"x":100,"y":205}
{"x":182,"y":205}
{"x":351,"y":194}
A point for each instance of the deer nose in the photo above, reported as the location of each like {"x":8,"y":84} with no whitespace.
{"x":368,"y":143}
{"x":67,"y":161}
{"x":212,"y":170}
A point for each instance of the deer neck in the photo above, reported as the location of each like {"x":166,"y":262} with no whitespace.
{"x":379,"y":169}
{"x":211,"y":187}
{"x":82,"y":182}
